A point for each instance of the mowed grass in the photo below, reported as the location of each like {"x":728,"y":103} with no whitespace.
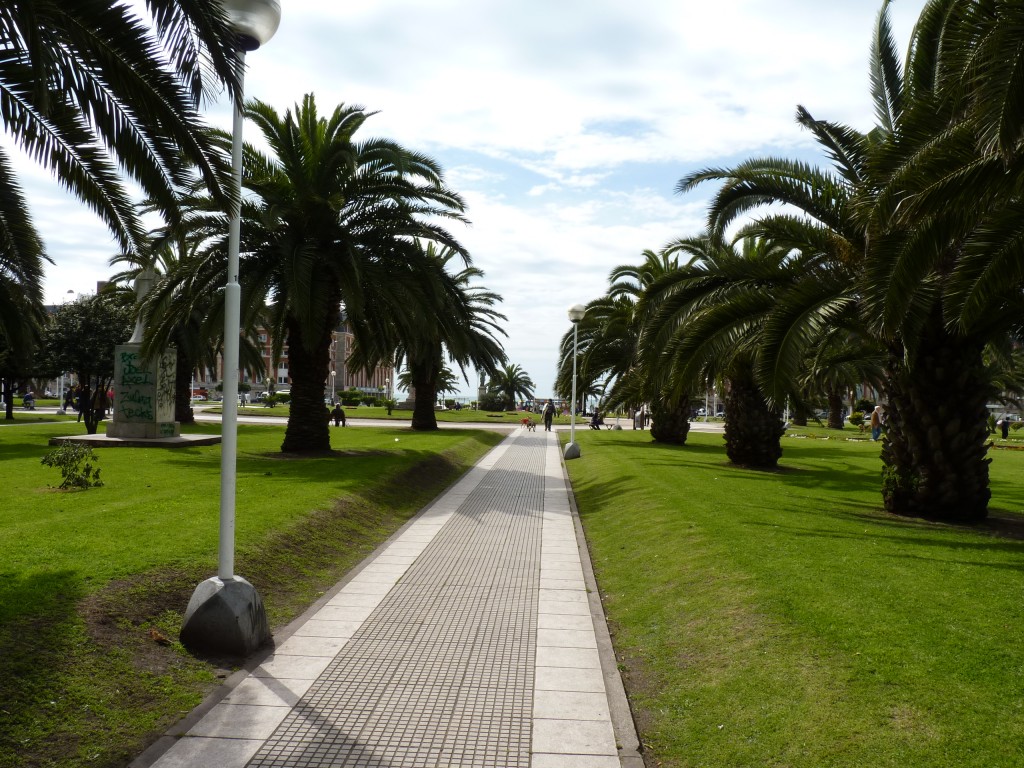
{"x":783,"y":619}
{"x":93,"y":584}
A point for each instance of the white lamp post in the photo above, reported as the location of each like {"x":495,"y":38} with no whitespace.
{"x":572,"y":450}
{"x":226,"y":613}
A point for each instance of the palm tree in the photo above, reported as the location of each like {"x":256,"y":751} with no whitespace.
{"x":22,"y":314}
{"x":90,"y":91}
{"x":184,"y":309}
{"x":706,"y":320}
{"x":327,"y":221}
{"x":435,"y":317}
{"x":512,"y":382}
{"x":609,"y":349}
{"x":841,"y":360}
{"x":924,"y":219}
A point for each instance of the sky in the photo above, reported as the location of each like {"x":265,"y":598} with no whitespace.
{"x":565,"y":125}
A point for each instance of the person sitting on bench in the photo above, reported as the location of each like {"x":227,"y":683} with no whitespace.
{"x":596,"y":421}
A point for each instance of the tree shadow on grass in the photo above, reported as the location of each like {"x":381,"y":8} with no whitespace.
{"x":19,"y":450}
{"x":37,"y":615}
{"x":912,"y":533}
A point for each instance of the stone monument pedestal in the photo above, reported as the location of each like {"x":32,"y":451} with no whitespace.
{"x":143,"y":395}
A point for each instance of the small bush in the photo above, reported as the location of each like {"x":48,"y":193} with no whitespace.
{"x":857,"y":418}
{"x":271,"y":400}
{"x":492,"y":402}
{"x":1015,"y":425}
{"x":864,"y":405}
{"x":69,"y":457}
{"x":283,"y":397}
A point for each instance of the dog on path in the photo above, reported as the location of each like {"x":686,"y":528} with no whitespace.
{"x":529,"y":424}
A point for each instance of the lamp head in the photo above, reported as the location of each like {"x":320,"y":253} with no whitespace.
{"x":576,"y":312}
{"x":255,"y":21}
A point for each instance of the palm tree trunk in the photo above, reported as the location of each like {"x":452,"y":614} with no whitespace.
{"x":936,"y":431}
{"x":183,"y":389}
{"x":835,"y":409}
{"x":670,"y":423}
{"x":799,"y":416}
{"x":308,"y":425}
{"x":8,"y":399}
{"x":423,"y":416}
{"x":753,"y":430}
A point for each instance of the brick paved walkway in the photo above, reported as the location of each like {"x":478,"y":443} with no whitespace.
{"x":469,"y":639}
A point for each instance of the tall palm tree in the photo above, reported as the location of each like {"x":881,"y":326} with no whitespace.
{"x":90,"y":91}
{"x":435,"y":316}
{"x":512,"y":382}
{"x":326,"y":219}
{"x":705,"y":323}
{"x":22,"y":257}
{"x":609,"y":337}
{"x":927,"y":218}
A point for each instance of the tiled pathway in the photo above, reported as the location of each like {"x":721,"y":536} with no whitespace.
{"x":470,"y":639}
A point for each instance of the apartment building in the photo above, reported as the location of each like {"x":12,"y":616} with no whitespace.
{"x":379,"y":381}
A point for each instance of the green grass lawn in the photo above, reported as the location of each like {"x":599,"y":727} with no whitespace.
{"x":91,"y":581}
{"x":782,"y":619}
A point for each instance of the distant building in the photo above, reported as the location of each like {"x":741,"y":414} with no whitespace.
{"x":379,"y":382}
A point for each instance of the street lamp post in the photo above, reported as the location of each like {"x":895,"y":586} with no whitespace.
{"x":60,"y":388}
{"x":572,"y":450}
{"x":226,"y":613}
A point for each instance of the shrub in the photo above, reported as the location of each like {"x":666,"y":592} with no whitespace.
{"x":69,"y":457}
{"x":1015,"y":425}
{"x":864,"y":405}
{"x":857,"y":418}
{"x":283,"y":397}
{"x":492,"y":402}
{"x":271,"y":400}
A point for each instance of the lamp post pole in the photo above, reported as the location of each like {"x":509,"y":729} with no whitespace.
{"x":226,"y":613}
{"x":572,"y":450}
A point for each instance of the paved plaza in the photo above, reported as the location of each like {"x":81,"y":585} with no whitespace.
{"x":473,"y":637}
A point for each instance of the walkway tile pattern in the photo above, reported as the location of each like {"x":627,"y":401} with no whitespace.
{"x":441,"y":672}
{"x":467,"y":642}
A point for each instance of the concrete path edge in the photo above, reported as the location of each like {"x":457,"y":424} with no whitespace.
{"x":618,"y":703}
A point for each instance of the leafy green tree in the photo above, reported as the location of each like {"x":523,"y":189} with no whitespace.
{"x":511,"y":382}
{"x":81,"y":338}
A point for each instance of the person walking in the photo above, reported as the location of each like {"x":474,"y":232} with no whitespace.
{"x":83,"y":402}
{"x":549,"y":415}
{"x":876,"y":423}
